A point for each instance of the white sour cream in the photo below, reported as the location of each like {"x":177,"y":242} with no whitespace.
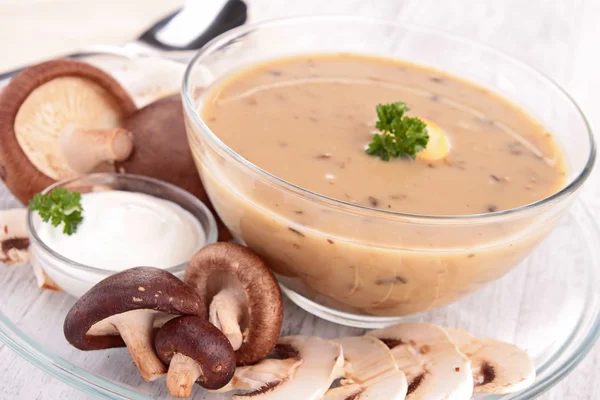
{"x":121,"y":230}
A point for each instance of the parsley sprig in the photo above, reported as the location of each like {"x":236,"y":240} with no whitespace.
{"x":400,"y":135}
{"x":59,"y":206}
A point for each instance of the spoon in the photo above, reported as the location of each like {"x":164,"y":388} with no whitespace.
{"x":177,"y":35}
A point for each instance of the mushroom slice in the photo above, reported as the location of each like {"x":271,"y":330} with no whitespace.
{"x":60,"y":119}
{"x":15,"y":245}
{"x":270,"y":372}
{"x":124,"y":309}
{"x":498,"y":367}
{"x":322,"y":362}
{"x":370,"y":371}
{"x":242,"y":296}
{"x":433,"y":365}
{"x":195,"y":351}
{"x":389,"y":386}
{"x":14,"y":236}
{"x":365,"y":358}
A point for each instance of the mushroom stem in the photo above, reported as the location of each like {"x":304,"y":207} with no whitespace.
{"x":183,"y":372}
{"x":136,"y":330}
{"x":225,"y":313}
{"x":85,"y":149}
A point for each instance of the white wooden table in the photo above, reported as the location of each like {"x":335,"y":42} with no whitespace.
{"x":560,"y":37}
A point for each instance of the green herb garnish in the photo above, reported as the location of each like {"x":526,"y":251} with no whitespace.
{"x":400,"y":135}
{"x":59,"y":206}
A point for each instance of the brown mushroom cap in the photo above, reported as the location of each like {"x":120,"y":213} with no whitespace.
{"x":197,"y":352}
{"x":17,"y":170}
{"x":214,"y":268}
{"x":124,"y":308}
{"x":162,"y":151}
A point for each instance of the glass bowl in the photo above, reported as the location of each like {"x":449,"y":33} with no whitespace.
{"x":550,"y":306}
{"x":75,"y":278}
{"x":326,"y":260}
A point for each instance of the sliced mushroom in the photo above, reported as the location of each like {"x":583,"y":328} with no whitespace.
{"x":242,"y":296}
{"x":60,"y":119}
{"x":366,"y":357}
{"x":389,"y":386}
{"x":14,"y":236}
{"x":267,"y":373}
{"x":195,"y":351}
{"x":124,"y":309}
{"x":433,"y":365}
{"x":370,"y":371}
{"x":15,"y":245}
{"x":498,"y":367}
{"x":305,"y":368}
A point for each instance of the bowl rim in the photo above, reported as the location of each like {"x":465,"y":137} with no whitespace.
{"x":231,"y":35}
{"x":211,"y":235}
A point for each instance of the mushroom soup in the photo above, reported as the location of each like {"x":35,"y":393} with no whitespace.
{"x":308,"y":120}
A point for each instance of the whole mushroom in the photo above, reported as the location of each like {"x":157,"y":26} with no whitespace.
{"x":195,"y":351}
{"x":124,"y":309}
{"x":60,"y":119}
{"x":241,"y":295}
{"x":161,"y":147}
{"x":162,"y":151}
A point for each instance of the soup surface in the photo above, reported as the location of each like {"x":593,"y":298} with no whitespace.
{"x":308,"y":120}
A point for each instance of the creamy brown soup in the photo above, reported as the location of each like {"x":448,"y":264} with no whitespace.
{"x":307,"y":120}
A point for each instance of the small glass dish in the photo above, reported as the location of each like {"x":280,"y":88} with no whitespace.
{"x":358,"y":265}
{"x":75,"y":278}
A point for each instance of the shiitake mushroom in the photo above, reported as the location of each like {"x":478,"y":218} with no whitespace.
{"x":60,"y":119}
{"x":161,"y":149}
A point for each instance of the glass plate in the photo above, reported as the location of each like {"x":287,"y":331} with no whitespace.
{"x":550,"y":305}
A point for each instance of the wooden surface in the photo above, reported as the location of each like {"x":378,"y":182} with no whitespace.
{"x":559,"y":37}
